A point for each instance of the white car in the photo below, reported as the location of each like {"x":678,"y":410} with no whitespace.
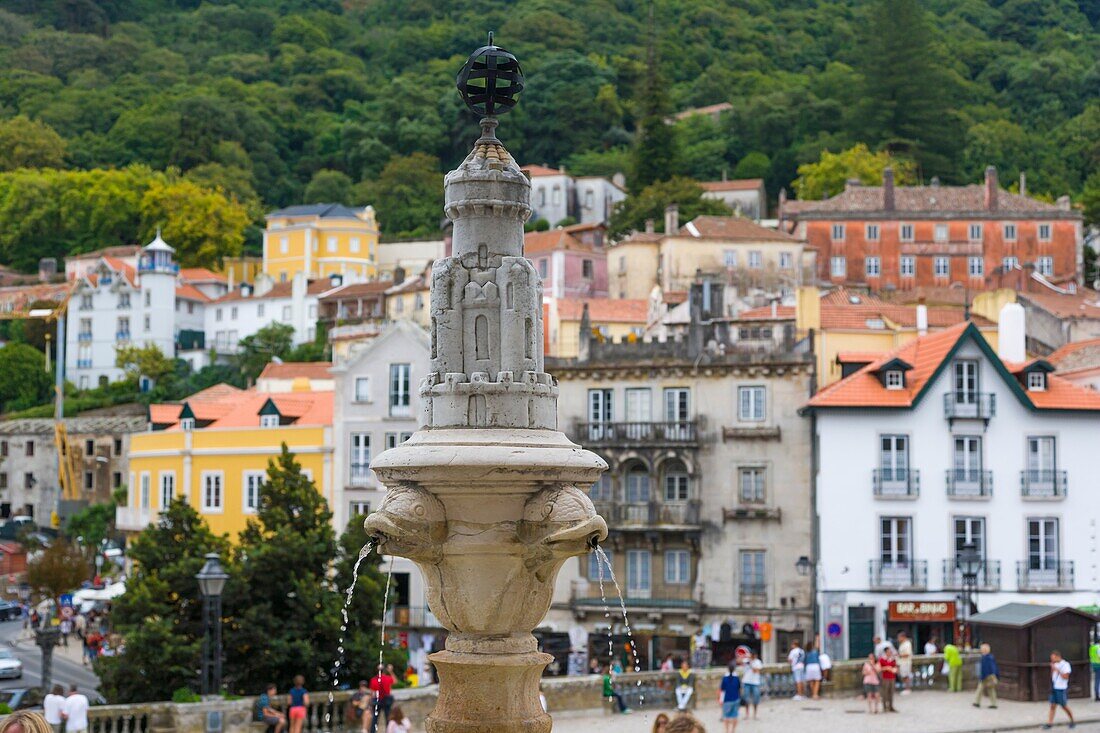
{"x":10,"y":666}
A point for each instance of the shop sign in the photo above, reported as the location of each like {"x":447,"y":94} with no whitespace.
{"x":922,"y":611}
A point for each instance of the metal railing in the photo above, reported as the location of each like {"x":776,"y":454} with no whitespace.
{"x":84,"y":336}
{"x":637,"y":433}
{"x":754,"y":595}
{"x":83,"y":363}
{"x":1053,"y":576}
{"x":989,"y":576}
{"x":911,"y":575}
{"x":978,"y":405}
{"x":625,"y":514}
{"x":412,"y":616}
{"x":122,"y":335}
{"x":1043,"y":484}
{"x":895,"y":482}
{"x":965,"y":483}
{"x":360,"y":473}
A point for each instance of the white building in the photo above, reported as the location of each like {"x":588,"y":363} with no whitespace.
{"x":940,"y":444}
{"x":376,"y":408}
{"x":116,"y":303}
{"x":556,"y":195}
{"x":745,"y":196}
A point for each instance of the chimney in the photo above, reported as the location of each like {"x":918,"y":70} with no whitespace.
{"x":922,"y":318}
{"x":781,"y":201}
{"x":1011,"y":333}
{"x":398,"y":275}
{"x":888,"y":188}
{"x":935,"y":182}
{"x":672,"y":219}
{"x":246,"y":290}
{"x":991,"y":188}
{"x":852,"y":183}
{"x":723,"y":173}
{"x":650,"y":226}
{"x":1023,"y":183}
{"x":1064,"y":203}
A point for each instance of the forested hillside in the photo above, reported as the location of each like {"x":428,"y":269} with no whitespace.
{"x":271,"y":102}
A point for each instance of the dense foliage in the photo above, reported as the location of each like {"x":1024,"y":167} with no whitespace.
{"x":271,"y":103}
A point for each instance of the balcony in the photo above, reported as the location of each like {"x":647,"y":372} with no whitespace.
{"x":84,"y":336}
{"x":912,"y":575}
{"x":664,"y":598}
{"x":1043,"y":484}
{"x":754,"y":595}
{"x":122,"y":336}
{"x":133,"y":519}
{"x":1054,"y":576}
{"x":624,"y":515}
{"x":989,"y":577}
{"x":895,"y":483}
{"x":359,"y":474}
{"x":679,"y":432}
{"x":969,"y":405}
{"x":412,"y":617}
{"x":83,"y":363}
{"x":964,"y":483}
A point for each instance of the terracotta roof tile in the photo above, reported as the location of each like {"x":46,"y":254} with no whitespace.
{"x":190,"y":292}
{"x":358,"y":290}
{"x":764,"y":313}
{"x":201,"y":274}
{"x":739,"y":184}
{"x":279,"y":290}
{"x":540,"y":170}
{"x":241,"y":409}
{"x":552,"y":240}
{"x":295,"y":369}
{"x":1076,"y":356}
{"x":1082,"y":304}
{"x":732,"y":228}
{"x":944,"y":200}
{"x":605,"y":310}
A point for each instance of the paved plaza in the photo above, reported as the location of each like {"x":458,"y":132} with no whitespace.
{"x":921,"y":712}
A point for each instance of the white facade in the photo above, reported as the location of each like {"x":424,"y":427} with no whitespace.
{"x":249,"y":308}
{"x":899,"y":491}
{"x":556,"y":195}
{"x":596,"y":198}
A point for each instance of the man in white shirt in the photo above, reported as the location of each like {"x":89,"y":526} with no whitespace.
{"x":1059,"y":688}
{"x":75,"y":712}
{"x":797,"y":658}
{"x":52,"y":705}
{"x":905,"y":662}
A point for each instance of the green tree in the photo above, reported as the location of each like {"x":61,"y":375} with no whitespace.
{"x":26,"y":382}
{"x":92,"y":524}
{"x":328,"y":187}
{"x":274,"y":340}
{"x":753,"y":165}
{"x":160,"y":615}
{"x":828,"y":175}
{"x":202,"y":225}
{"x":26,"y":143}
{"x":1090,"y":199}
{"x":289,"y":622}
{"x":143,"y":361}
{"x":656,"y":154}
{"x":650,"y":203}
{"x":59,"y":568}
{"x":408,"y":195}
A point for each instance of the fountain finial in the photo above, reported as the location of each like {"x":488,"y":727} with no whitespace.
{"x":490,"y":80}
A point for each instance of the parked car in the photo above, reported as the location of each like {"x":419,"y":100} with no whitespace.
{"x":21,"y":698}
{"x":10,"y":666}
{"x":9,"y":611}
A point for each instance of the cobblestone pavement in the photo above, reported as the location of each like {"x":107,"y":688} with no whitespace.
{"x":921,"y":712}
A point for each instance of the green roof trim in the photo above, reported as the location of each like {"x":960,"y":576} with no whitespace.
{"x":270,"y":408}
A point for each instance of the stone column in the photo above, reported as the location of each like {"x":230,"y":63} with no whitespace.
{"x":488,"y":497}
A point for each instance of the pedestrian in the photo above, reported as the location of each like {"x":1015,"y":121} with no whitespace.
{"x":1094,"y":662}
{"x":668,"y":665}
{"x":266,"y":712}
{"x":797,"y":660}
{"x":729,"y":697}
{"x":397,"y":722}
{"x":905,"y":662}
{"x":74,"y":711}
{"x":931,"y":647}
{"x":359,"y":705}
{"x":751,"y":677}
{"x":826,"y":666}
{"x":987,"y":678}
{"x":685,"y":685}
{"x":888,"y":673}
{"x":593,"y":666}
{"x":952,"y":659}
{"x":609,"y":692}
{"x":871,"y":683}
{"x":52,"y":705}
{"x":66,"y":629}
{"x":660,"y":724}
{"x":24,"y":721}
{"x":881,"y":644}
{"x":685,"y":723}
{"x":1059,"y":688}
{"x":813,"y":672}
{"x":297,"y":702}
{"x":382,"y":686}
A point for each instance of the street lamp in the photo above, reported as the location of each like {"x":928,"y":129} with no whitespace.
{"x":969,"y":563}
{"x":806,"y":567}
{"x":212,"y":579}
{"x":803,"y":566}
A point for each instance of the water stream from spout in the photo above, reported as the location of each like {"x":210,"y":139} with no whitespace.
{"x":349,"y":593}
{"x":605,"y":560}
{"x":382,"y":645}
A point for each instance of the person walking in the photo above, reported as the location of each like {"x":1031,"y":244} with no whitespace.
{"x":52,"y":705}
{"x":74,"y":711}
{"x":729,"y":697}
{"x":888,"y":671}
{"x":905,"y":662}
{"x":813,"y":672}
{"x":685,"y":685}
{"x":871,"y":683}
{"x":953,"y":659}
{"x":1059,"y":688}
{"x":797,"y":660}
{"x":987,"y":678}
{"x":298,"y":701}
{"x":609,"y":692}
{"x":1094,"y":662}
{"x":751,"y":678}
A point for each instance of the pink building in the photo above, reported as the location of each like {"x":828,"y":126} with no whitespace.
{"x":570,"y":266}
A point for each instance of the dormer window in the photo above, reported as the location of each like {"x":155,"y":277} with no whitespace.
{"x":895,"y":379}
{"x":1036,"y":381}
{"x":892,"y":374}
{"x":269,"y":421}
{"x":187,"y":423}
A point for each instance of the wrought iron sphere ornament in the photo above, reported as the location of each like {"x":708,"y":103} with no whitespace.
{"x":490,"y":80}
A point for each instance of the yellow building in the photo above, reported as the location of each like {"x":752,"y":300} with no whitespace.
{"x":410,"y":300}
{"x":321,"y":240}
{"x":214,"y":449}
{"x":609,"y":319}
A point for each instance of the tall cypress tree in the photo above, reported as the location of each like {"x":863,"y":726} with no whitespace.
{"x":906,"y":103}
{"x":655,"y":154}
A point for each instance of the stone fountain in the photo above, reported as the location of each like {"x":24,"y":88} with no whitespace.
{"x":488,"y":497}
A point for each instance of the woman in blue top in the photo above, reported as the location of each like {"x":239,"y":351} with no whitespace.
{"x":729,"y":695}
{"x":813,"y":671}
{"x":299,"y":700}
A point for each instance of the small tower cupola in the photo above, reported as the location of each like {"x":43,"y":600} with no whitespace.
{"x":157,"y":257}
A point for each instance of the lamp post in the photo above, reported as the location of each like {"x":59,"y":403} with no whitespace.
{"x":969,"y":563}
{"x":212,"y":579}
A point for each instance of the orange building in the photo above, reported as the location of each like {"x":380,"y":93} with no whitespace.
{"x":908,"y":237}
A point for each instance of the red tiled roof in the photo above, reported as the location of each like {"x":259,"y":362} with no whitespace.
{"x":1076,"y":356}
{"x":359,"y":290}
{"x":845,"y":309}
{"x":674,"y":297}
{"x":122,"y":268}
{"x":942,"y":200}
{"x":605,"y":310}
{"x":764,"y":313}
{"x":739,"y":184}
{"x":217,"y":392}
{"x":190,"y":292}
{"x":1082,"y":304}
{"x":732,"y":228}
{"x":122,"y":250}
{"x":551,"y":241}
{"x":410,"y":285}
{"x":279,"y":290}
{"x":241,"y":409}
{"x":201,"y":274}
{"x":295,"y":369}
{"x":540,"y":170}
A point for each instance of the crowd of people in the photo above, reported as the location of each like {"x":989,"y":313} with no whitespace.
{"x":372,"y":700}
{"x":58,"y":710}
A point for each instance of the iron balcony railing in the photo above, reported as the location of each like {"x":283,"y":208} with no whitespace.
{"x":412,"y":616}
{"x":898,"y":483}
{"x":1043,"y":484}
{"x":650,"y":514}
{"x":966,"y":483}
{"x":899,"y":575}
{"x":360,"y":473}
{"x":978,"y":405}
{"x":84,"y":336}
{"x":989,"y":576}
{"x":754,"y":595}
{"x":122,"y":335}
{"x":676,"y":432}
{"x":1051,"y":576}
{"x":83,"y":363}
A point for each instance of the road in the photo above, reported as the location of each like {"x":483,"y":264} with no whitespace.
{"x":67,"y":669}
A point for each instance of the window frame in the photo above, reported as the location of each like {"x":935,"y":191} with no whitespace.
{"x":975,"y":266}
{"x":400,"y":389}
{"x":204,"y":485}
{"x":758,"y":403}
{"x":872,"y":266}
{"x":936,"y":262}
{"x":170,"y":484}
{"x":838,"y":266}
{"x":1049,"y":236}
{"x":837,"y":232}
{"x":895,"y":379}
{"x":252,"y":481}
{"x":872,"y":232}
{"x":362,"y":393}
{"x":907,"y":266}
{"x":758,"y":490}
{"x":1036,"y":381}
{"x":677,"y":567}
{"x":902,"y":235}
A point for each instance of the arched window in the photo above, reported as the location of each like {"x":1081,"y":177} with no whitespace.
{"x":481,"y":337}
{"x":601,"y":490}
{"x":637,"y":484}
{"x":677,"y":482}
